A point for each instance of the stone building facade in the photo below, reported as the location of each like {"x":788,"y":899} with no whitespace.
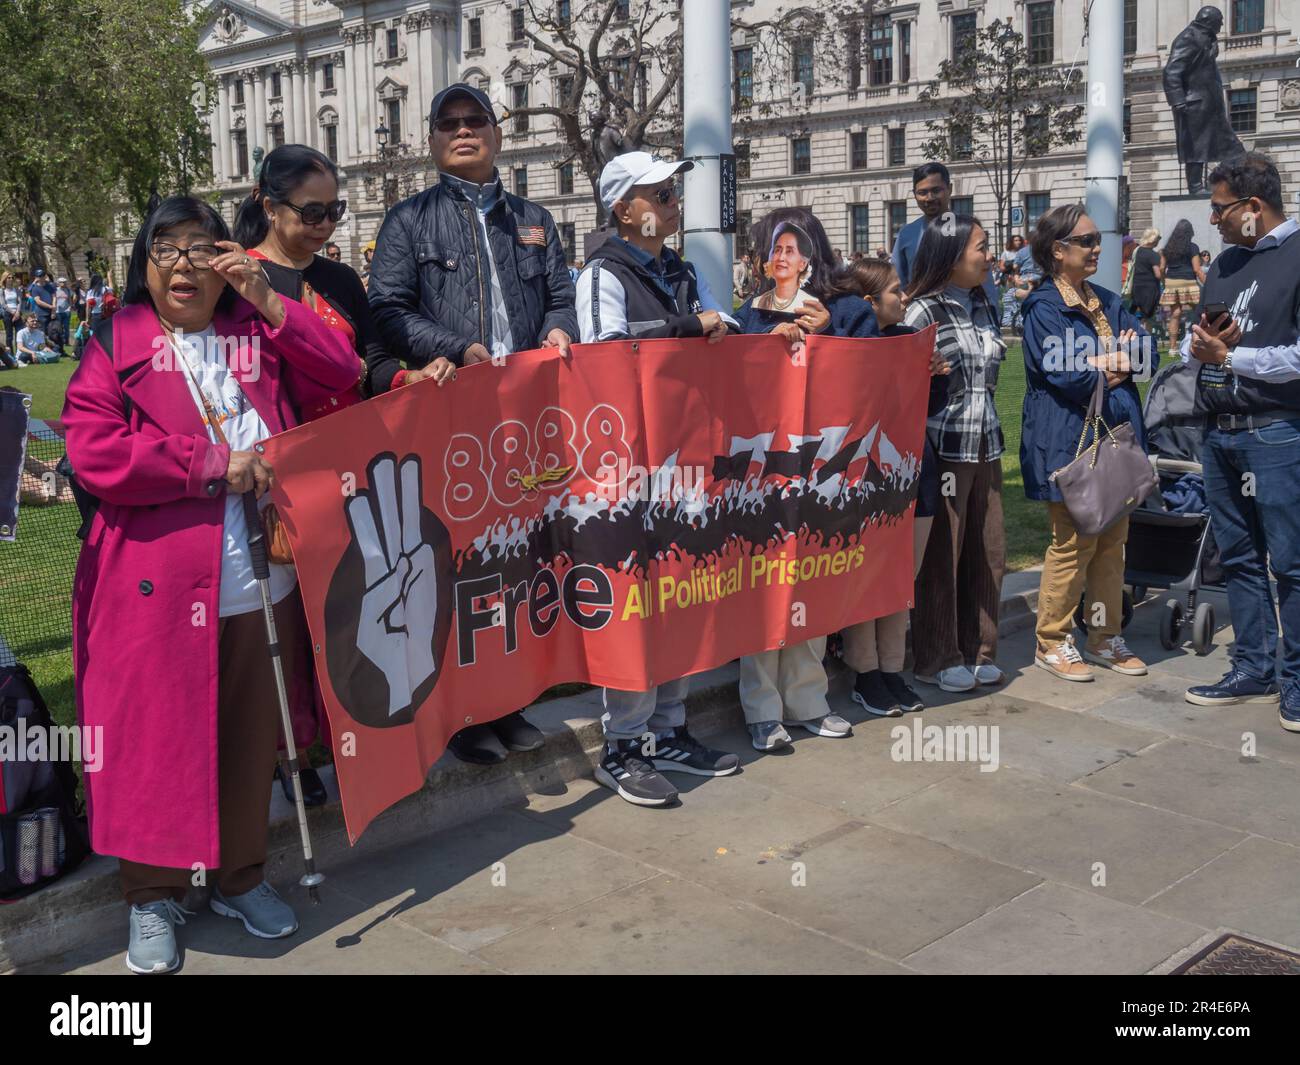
{"x":329,"y":72}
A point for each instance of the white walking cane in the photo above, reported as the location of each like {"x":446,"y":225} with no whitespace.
{"x":262,"y":572}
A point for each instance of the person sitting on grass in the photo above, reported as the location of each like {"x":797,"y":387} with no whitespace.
{"x":34,"y":346}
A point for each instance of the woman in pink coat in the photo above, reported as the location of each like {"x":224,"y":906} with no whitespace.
{"x":169,"y":645}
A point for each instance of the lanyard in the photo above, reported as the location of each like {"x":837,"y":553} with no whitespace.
{"x":208,"y":409}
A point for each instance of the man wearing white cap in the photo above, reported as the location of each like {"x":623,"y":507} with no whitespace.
{"x":635,"y":287}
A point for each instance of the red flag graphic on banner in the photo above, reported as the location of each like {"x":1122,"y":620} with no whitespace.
{"x":631,"y":514}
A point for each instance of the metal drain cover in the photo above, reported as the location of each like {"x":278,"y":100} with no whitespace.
{"x":1232,"y":955}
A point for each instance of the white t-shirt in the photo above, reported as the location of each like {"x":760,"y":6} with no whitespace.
{"x":243,"y":427}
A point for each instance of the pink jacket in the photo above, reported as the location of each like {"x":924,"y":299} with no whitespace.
{"x":144,"y":654}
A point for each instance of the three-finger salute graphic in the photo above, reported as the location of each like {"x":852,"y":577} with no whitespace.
{"x":387,"y":612}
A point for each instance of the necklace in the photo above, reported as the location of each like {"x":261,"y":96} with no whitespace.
{"x":776,"y":300}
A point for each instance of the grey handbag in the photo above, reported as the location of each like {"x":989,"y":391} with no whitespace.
{"x":1110,"y":479}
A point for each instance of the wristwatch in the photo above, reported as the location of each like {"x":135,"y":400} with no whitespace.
{"x":1227,"y":362}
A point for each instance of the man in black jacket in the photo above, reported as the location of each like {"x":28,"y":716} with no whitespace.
{"x":464,"y":273}
{"x":465,"y":270}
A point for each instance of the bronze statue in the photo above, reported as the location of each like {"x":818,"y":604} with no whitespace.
{"x":607,"y":141}
{"x":1194,"y":90}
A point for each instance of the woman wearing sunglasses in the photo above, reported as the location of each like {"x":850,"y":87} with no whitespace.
{"x":169,"y":642}
{"x":1075,"y":330}
{"x":286,"y":221}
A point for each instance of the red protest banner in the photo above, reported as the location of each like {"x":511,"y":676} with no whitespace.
{"x":634,"y":513}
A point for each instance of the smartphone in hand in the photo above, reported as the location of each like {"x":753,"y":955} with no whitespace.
{"x":1216,"y":311}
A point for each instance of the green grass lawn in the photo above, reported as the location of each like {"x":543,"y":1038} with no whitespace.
{"x":36,"y":569}
{"x":1025,"y":520}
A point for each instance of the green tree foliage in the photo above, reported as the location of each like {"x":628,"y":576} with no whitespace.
{"x":1000,"y":111}
{"x":102,"y":106}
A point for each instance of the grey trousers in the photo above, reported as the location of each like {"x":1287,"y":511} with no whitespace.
{"x":789,"y":682}
{"x":630,"y":715}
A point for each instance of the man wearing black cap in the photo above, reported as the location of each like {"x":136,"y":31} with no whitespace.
{"x":465,"y":272}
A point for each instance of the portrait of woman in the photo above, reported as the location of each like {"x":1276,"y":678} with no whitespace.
{"x":790,"y":266}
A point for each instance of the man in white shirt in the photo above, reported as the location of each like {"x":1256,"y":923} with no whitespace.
{"x":34,"y":346}
{"x":635,"y":287}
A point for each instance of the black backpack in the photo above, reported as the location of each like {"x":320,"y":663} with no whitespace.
{"x":87,"y":502}
{"x":42,"y":827}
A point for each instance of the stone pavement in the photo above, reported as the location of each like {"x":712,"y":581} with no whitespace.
{"x":1120,"y":830}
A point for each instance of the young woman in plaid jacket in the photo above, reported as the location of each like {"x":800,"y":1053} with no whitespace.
{"x":955,"y":624}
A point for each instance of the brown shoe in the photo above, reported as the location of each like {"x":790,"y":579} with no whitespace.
{"x":1114,"y":654}
{"x":1062,"y":660}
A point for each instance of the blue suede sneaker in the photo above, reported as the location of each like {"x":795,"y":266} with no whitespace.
{"x":1234,"y":687}
{"x":153,"y":936}
{"x":263,"y":912}
{"x":1288,"y":714}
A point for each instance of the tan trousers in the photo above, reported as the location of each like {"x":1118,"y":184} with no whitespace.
{"x":882,"y":642}
{"x":1073,"y":563}
{"x":959,"y":590}
{"x":789,"y":681}
{"x":248,"y":730}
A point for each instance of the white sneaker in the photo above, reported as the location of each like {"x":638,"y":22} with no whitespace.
{"x":832,"y":726}
{"x":988,"y":673}
{"x":952,"y":679}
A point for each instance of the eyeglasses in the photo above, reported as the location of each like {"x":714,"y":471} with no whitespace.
{"x":1217,"y":210}
{"x":1088,"y":240}
{"x":165,"y":256}
{"x":455,"y":122}
{"x":313,"y":214}
{"x":335,"y":255}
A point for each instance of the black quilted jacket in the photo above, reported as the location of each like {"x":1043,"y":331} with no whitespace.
{"x":430,"y":290}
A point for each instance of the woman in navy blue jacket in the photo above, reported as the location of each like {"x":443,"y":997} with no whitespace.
{"x":803,"y":280}
{"x":1074,"y":331}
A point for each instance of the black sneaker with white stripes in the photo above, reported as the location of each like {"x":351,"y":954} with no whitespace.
{"x":683,"y":753}
{"x":626,"y":771}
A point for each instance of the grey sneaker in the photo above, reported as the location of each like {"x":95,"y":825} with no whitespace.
{"x":263,"y":912}
{"x":153,"y":936}
{"x":831,"y":725}
{"x":769,"y":735}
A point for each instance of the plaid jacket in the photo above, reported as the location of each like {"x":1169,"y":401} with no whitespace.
{"x":974,"y":350}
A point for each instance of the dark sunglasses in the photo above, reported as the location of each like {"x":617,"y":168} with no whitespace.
{"x":667,"y":194}
{"x":1217,"y":209}
{"x":313,"y":214}
{"x":165,"y":256}
{"x":335,"y":255}
{"x":452,"y":124}
{"x":1088,"y":240}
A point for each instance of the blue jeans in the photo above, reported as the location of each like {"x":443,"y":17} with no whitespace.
{"x":1256,"y":523}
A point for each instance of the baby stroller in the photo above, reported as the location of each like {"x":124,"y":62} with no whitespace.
{"x":1170,"y":544}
